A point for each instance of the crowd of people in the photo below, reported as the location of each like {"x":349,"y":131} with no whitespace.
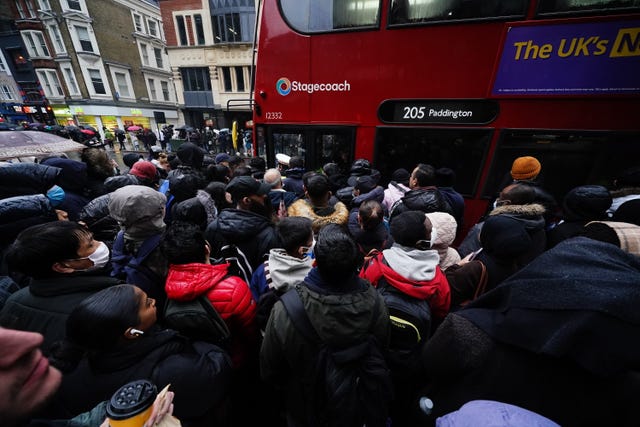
{"x":528,"y":317}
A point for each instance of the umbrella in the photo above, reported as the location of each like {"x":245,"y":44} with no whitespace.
{"x":31,"y":143}
{"x":87,"y":131}
{"x":134,"y":127}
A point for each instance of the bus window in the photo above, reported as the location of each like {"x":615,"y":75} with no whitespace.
{"x":309,"y":16}
{"x":462,"y":150}
{"x":560,"y":6}
{"x":568,"y":159}
{"x":318,"y":145}
{"x":415,"y":11}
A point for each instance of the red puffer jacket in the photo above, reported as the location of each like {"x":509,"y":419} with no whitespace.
{"x":230,"y":297}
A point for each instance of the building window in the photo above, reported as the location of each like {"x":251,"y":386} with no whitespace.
{"x":44,"y":4}
{"x":71,"y":81}
{"x":199,"y":28}
{"x":145,"y":54}
{"x":226,"y":79}
{"x":165,"y":91}
{"x":3,"y":63}
{"x":152,"y":89}
{"x":36,"y":45}
{"x":239,"y":79}
{"x":20,"y":9}
{"x":196,"y":79}
{"x":85,"y":39}
{"x":6,"y":93}
{"x":58,"y":44}
{"x":121,"y":83}
{"x":96,"y":80}
{"x":227,"y":28}
{"x":137,"y":22}
{"x":50,"y":83}
{"x":158,"y":54}
{"x":182,"y":31}
{"x":31,"y":11}
{"x":74,"y":4}
{"x":153,"y":27}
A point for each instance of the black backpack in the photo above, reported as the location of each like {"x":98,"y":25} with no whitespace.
{"x":410,"y":320}
{"x":344,"y":387}
{"x":197,"y":319}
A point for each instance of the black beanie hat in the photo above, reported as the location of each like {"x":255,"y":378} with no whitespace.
{"x":408,"y":228}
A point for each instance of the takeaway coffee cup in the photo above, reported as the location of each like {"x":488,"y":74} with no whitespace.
{"x":132,"y":404}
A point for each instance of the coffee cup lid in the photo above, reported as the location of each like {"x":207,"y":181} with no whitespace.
{"x":131,"y":399}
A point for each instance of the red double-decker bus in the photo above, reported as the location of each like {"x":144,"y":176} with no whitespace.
{"x":465,"y":84}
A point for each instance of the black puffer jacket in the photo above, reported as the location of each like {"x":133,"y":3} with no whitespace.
{"x":199,"y":374}
{"x":18,"y":213}
{"x":26,"y":178}
{"x":254,"y":234}
{"x":426,"y":200}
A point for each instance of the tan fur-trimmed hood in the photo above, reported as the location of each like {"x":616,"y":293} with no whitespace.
{"x":530,"y":210}
{"x":303,"y":208}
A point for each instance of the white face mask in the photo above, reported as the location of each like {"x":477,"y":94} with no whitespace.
{"x":100,"y":257}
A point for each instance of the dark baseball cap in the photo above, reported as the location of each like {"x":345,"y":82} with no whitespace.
{"x":242,"y":186}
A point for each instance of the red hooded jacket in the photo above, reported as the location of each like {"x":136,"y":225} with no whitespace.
{"x":229,"y":295}
{"x":435,"y":291}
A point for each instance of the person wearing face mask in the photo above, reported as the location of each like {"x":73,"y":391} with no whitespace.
{"x":418,"y":296}
{"x":285,"y":267}
{"x":249,"y":226}
{"x":66,"y":265}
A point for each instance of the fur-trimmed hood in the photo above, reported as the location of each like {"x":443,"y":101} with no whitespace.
{"x":336,"y":214}
{"x":530,"y":215}
{"x":626,"y":191}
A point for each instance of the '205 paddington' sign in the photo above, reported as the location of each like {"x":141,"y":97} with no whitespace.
{"x":438,"y":111}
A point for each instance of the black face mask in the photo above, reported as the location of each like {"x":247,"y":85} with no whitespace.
{"x":265,"y":210}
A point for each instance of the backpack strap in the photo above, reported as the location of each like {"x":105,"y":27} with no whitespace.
{"x":295,"y":309}
{"x":395,"y":184}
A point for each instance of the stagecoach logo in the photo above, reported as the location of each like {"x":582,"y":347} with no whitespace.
{"x":284,"y":86}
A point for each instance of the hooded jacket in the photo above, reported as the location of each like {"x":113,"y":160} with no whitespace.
{"x":280,"y":271}
{"x":252,"y":233}
{"x":413,"y":272}
{"x":340,"y":313}
{"x":445,"y":225}
{"x":336,"y":214}
{"x":229,"y":295}
{"x":530,"y":215}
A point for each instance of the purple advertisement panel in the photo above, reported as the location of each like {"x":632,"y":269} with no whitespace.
{"x":568,"y":59}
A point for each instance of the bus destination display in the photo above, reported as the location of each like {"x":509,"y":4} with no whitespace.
{"x":466,"y":112}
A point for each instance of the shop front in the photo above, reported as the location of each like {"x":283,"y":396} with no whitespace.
{"x":112,"y":117}
{"x":63,"y":115}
